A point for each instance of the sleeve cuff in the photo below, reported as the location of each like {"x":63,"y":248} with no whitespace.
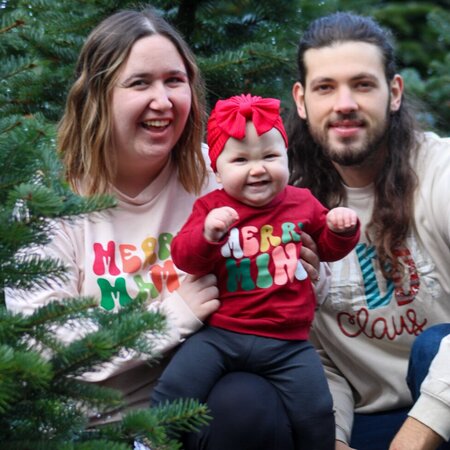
{"x":432,"y":413}
{"x":180,"y":316}
{"x":342,"y":436}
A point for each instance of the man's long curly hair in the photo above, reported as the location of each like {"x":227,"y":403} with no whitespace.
{"x":396,"y":182}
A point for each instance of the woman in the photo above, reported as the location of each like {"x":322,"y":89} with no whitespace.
{"x":133,"y":128}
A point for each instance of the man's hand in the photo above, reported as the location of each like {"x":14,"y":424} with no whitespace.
{"x":309,"y":257}
{"x":414,"y":435}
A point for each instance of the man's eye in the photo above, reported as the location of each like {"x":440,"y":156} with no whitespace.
{"x":365,"y":85}
{"x":323,"y":88}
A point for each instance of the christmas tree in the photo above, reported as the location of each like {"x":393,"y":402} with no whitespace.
{"x":44,"y":404}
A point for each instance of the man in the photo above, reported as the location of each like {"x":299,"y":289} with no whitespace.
{"x":354,"y":142}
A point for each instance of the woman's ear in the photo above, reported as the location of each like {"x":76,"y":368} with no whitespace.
{"x":298,"y":94}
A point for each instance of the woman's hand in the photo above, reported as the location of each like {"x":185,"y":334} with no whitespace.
{"x":200,"y":294}
{"x":309,"y":257}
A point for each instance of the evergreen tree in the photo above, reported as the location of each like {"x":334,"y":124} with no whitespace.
{"x":44,"y":403}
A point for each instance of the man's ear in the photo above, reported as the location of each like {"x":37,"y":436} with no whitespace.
{"x":396,"y":92}
{"x":298,"y":94}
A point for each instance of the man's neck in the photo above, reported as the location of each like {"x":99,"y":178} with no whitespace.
{"x":363,"y":174}
{"x":356,"y":176}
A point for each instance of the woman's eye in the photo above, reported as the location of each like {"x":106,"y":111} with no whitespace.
{"x":175,"y":80}
{"x":138,"y":83}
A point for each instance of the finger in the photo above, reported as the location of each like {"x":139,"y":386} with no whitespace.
{"x":310,"y":256}
{"x":210,"y":307}
{"x":207,"y":280}
{"x":308,"y":242}
{"x":207,"y":293}
{"x":313,"y":274}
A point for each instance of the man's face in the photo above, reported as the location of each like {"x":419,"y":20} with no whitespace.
{"x":347,"y":101}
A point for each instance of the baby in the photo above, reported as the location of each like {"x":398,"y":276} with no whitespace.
{"x":249,"y":234}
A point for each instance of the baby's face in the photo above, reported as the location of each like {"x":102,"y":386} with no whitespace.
{"x":255,"y":169}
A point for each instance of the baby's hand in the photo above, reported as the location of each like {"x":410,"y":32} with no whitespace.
{"x":218,"y":222}
{"x":342,"y":220}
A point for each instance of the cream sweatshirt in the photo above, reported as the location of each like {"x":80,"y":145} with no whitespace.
{"x":116,"y":255}
{"x":365,"y":327}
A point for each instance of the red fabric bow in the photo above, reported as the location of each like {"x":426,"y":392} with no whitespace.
{"x":229,"y":117}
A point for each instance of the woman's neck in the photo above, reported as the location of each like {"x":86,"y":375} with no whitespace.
{"x":131,"y":181}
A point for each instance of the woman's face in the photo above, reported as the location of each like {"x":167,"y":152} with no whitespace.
{"x":151,"y":101}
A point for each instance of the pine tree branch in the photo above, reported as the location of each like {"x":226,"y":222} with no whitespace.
{"x":16,"y":24}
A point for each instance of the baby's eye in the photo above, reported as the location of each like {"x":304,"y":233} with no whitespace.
{"x":239,"y":160}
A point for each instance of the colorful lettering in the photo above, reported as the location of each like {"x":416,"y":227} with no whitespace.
{"x":130,"y":262}
{"x":113,"y":295}
{"x":285,"y":261}
{"x":232,"y":246}
{"x":165,"y":275}
{"x":250,"y":244}
{"x":289,"y":234}
{"x":109,"y":256}
{"x":149,"y":247}
{"x":145,"y":289}
{"x":264,"y":279}
{"x":406,"y":285}
{"x":164,"y":241}
{"x":239,"y":274}
{"x":374,"y":298}
{"x":352,"y":325}
{"x":268,"y":239}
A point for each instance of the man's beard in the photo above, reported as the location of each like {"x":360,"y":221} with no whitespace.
{"x":350,"y":153}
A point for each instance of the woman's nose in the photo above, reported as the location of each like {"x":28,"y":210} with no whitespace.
{"x":160,"y":98}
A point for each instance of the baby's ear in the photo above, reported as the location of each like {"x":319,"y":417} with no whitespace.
{"x":218,"y":179}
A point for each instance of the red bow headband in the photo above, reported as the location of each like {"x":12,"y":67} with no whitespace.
{"x":229,"y":117}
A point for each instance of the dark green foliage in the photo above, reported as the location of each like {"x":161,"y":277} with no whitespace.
{"x":43,"y":405}
{"x":422,"y":33}
{"x":241,"y":45}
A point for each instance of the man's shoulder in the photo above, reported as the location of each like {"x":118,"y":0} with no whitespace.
{"x":433,"y":150}
{"x":430,"y":141}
